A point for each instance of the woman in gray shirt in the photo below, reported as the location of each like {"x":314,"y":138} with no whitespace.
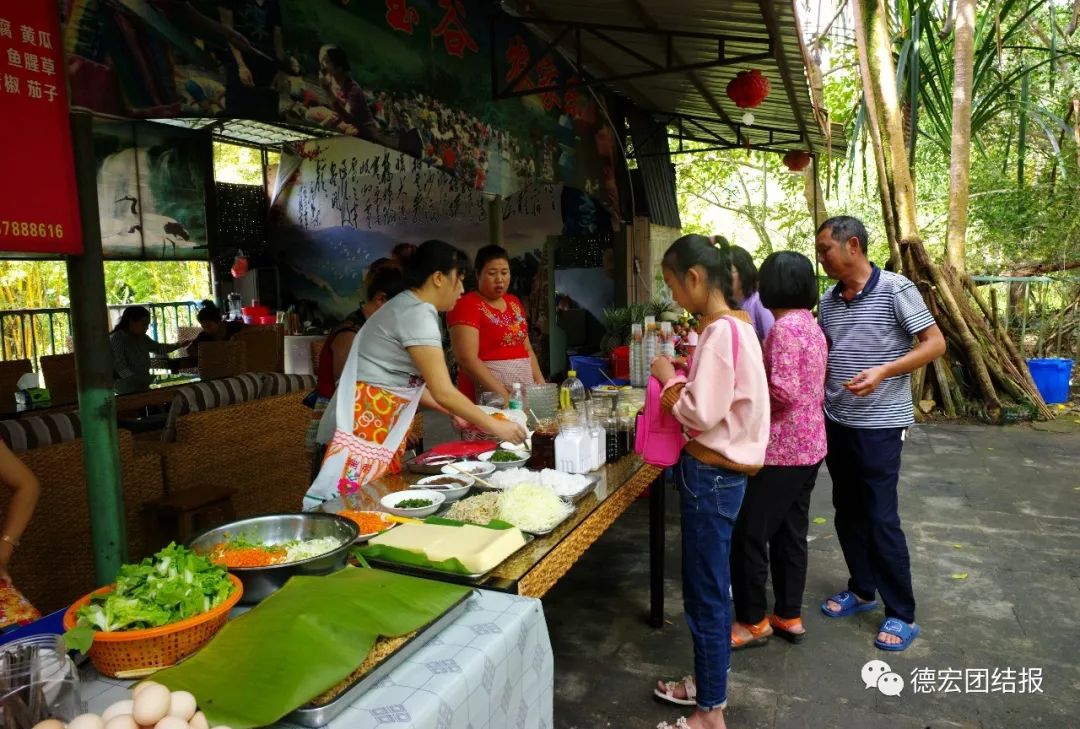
{"x":132,"y":347}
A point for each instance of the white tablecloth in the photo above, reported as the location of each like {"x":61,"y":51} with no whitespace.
{"x":298,"y":354}
{"x":492,"y":668}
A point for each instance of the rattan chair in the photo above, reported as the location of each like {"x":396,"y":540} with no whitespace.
{"x":59,"y":373}
{"x":222,"y":359}
{"x":10,"y":372}
{"x":54,"y":564}
{"x":266,"y":462}
{"x":265,"y":348}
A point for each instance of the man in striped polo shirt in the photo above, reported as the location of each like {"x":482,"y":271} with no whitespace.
{"x":870,"y":318}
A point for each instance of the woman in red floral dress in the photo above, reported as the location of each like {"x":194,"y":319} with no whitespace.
{"x":490,"y":333}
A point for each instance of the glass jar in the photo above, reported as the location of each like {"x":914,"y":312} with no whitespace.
{"x":543,"y":444}
{"x":611,"y":439}
{"x":38,"y":677}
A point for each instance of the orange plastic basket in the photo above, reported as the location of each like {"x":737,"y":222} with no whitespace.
{"x":121,"y":651}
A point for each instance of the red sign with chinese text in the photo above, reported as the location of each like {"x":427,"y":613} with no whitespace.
{"x":39,"y":205}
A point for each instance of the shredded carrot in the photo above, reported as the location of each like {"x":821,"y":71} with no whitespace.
{"x":228,"y":556}
{"x":369,"y":522}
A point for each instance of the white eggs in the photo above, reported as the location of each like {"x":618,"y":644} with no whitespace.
{"x":121,"y":721}
{"x":142,"y":686}
{"x":49,"y":724}
{"x":171,"y":722}
{"x":86,"y":721}
{"x":125,"y":706}
{"x":182,"y":704}
{"x":151,"y":705}
{"x":199,"y":721}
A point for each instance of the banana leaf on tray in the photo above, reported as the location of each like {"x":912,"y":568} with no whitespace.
{"x":303,"y":640}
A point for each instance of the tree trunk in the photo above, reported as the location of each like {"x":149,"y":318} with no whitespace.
{"x":960,"y":164}
{"x":815,"y":199}
{"x":874,"y":43}
{"x":989,"y":358}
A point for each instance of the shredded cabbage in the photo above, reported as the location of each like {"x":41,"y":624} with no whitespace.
{"x":532,"y":508}
{"x":309,"y":548}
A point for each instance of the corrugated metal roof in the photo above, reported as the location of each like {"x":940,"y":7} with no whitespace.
{"x":249,"y":131}
{"x":745,"y":26}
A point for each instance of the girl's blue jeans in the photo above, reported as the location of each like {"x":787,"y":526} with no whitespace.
{"x":710,"y":498}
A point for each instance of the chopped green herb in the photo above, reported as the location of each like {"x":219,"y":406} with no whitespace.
{"x":413,"y":503}
{"x":501,"y":456}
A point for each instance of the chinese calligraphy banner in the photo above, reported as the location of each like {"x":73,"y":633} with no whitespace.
{"x":411,"y":75}
{"x":342,"y":203}
{"x":151,"y":182}
{"x":39,"y":206}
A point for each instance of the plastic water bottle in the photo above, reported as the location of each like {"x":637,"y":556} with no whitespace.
{"x":572,"y":394}
{"x":517,"y":401}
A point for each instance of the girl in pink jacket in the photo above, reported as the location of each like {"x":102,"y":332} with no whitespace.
{"x":724,"y":405}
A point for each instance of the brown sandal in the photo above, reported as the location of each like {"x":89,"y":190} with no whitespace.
{"x":759,"y":633}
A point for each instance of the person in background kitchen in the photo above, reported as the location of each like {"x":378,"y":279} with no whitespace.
{"x":213,"y":328}
{"x":490,"y":333}
{"x":14,"y":608}
{"x":132,"y":347}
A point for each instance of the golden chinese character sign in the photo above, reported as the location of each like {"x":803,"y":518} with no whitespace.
{"x":39,"y":207}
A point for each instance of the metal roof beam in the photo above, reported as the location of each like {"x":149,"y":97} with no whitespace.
{"x":672,"y":63}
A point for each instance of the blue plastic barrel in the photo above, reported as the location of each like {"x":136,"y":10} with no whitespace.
{"x":1051,"y":376}
{"x":588,"y":370}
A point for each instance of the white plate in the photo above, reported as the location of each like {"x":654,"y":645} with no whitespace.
{"x":473,"y":468}
{"x":450,"y":493}
{"x":523,"y":458}
{"x":390,"y":502}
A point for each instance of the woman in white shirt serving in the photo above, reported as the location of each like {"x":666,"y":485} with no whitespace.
{"x":397,"y":364}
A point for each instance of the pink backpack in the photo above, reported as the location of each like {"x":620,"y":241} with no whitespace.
{"x":660,"y":437}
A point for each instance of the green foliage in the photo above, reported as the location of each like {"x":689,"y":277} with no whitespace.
{"x":236,"y":164}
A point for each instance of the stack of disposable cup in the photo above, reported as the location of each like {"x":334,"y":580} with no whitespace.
{"x":636,"y":356}
{"x":649,"y":348}
{"x":667,"y":340}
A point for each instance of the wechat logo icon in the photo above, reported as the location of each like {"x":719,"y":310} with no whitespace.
{"x":878,"y":674}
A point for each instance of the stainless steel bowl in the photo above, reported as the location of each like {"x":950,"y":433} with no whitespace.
{"x":260,"y":582}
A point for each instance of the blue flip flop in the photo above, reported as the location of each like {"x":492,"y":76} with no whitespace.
{"x":849,"y":605}
{"x":906,"y":633}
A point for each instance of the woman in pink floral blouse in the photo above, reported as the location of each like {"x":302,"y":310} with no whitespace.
{"x":774,"y":518}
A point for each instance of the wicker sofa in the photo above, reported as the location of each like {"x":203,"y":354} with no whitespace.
{"x":245,"y":433}
{"x":54,"y":564}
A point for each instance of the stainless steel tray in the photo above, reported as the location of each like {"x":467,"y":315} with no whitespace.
{"x":549,"y":531}
{"x":316,"y":716}
{"x":431,"y":572}
{"x":594,"y":478}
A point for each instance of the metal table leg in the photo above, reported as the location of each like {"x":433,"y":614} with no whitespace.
{"x":656,"y":551}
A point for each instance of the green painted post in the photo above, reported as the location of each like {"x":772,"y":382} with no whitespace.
{"x":93,"y":362}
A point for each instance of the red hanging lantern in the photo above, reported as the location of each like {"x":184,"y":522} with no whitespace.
{"x":796,"y":160}
{"x":240,"y":265}
{"x":748,"y":89}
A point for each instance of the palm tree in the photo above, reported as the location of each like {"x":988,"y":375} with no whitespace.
{"x":960,"y":164}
